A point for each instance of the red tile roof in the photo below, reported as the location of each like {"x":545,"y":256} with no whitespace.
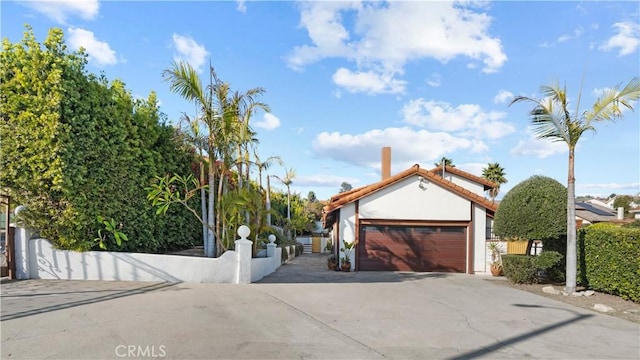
{"x":480,"y":180}
{"x":340,"y":200}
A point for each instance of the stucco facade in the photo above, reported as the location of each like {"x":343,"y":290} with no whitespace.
{"x":421,"y":196}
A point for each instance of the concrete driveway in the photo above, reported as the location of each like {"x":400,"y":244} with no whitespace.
{"x":304,"y":311}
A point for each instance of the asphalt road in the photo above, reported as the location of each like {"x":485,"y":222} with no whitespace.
{"x":304,"y":311}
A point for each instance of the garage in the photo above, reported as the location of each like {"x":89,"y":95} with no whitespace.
{"x":433,"y":247}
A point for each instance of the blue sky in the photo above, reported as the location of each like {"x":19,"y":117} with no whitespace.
{"x":344,"y":79}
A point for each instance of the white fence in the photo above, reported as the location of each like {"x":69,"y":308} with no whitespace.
{"x":38,"y":259}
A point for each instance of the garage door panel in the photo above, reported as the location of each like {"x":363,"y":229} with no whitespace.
{"x":424,"y":248}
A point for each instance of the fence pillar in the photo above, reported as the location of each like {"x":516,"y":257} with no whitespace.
{"x":243,"y":251}
{"x":22,"y":237}
{"x":271,"y":246}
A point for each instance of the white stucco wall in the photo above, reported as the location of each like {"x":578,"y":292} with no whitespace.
{"x":465,"y":183}
{"x":480,"y":238}
{"x":406,"y":200}
{"x":347,"y":230}
{"x":46,"y":262}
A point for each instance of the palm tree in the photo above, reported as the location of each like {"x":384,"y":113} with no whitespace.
{"x":494,"y":173}
{"x":446,"y":161}
{"x":195,"y":138}
{"x":184,"y":80}
{"x":552,"y":119}
{"x":290,"y":174}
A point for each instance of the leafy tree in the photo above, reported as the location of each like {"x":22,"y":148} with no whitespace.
{"x":311,"y":197}
{"x":494,"y":173}
{"x":446,"y":161}
{"x":290,"y":174}
{"x":534,"y":209}
{"x":623,"y":201}
{"x":345,"y":186}
{"x":552,"y":119}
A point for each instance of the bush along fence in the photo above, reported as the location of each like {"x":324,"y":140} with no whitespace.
{"x":38,"y":259}
{"x":609,"y":259}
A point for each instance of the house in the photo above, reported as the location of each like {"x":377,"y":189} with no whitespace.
{"x":416,"y":220}
{"x":590,"y":213}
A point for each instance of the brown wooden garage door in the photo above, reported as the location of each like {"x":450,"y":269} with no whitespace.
{"x":412,"y":248}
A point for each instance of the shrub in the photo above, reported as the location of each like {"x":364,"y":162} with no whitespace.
{"x":547,"y":262}
{"x":285,"y":254}
{"x":611,"y":259}
{"x":526,"y":269}
{"x":519,"y":268}
{"x":535,"y":209}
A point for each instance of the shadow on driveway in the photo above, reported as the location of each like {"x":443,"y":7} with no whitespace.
{"x":22,"y":298}
{"x":312,"y":268}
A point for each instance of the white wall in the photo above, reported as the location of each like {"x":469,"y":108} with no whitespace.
{"x":465,"y":183}
{"x":480,"y":238}
{"x":45,"y":262}
{"x":347,"y":230}
{"x":406,"y":200}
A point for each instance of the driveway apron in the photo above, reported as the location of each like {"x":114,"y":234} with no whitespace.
{"x":304,"y":310}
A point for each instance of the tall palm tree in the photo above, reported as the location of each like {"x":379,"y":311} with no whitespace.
{"x":195,"y":137}
{"x":184,"y":81}
{"x":552,"y":119}
{"x":290,"y":174}
{"x":494,"y":173}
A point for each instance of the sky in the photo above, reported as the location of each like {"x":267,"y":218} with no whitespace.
{"x":344,"y":79}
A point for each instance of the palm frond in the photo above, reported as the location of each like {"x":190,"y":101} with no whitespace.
{"x":609,"y":104}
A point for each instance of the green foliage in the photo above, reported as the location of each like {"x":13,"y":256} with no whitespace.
{"x":75,"y":146}
{"x":519,"y":268}
{"x":526,"y":269}
{"x":556,"y":272}
{"x":611,"y":259}
{"x":623,"y":201}
{"x":547,"y":259}
{"x":110,"y":227}
{"x":347,"y":249}
{"x":535,"y":209}
{"x":634,"y":224}
{"x":345,"y":186}
{"x":285,"y":254}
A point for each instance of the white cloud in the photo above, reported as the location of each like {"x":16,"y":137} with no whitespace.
{"x":434,"y":80}
{"x":241,"y":6}
{"x":409,"y":147}
{"x":190,"y":51}
{"x":380,"y":38}
{"x":324,"y":180}
{"x":98,"y":51}
{"x":269,"y":122}
{"x":576,"y":34}
{"x":502,"y":97}
{"x":60,"y":10}
{"x":368,"y":82}
{"x":626,"y":40}
{"x":605,"y":189}
{"x":466,"y":119}
{"x":540,"y":148}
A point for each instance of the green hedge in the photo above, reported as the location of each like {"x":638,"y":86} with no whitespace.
{"x":526,"y":269}
{"x":76,"y":146}
{"x":519,"y":268}
{"x":610,"y":259}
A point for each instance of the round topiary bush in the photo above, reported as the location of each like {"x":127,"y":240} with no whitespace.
{"x":535,"y":209}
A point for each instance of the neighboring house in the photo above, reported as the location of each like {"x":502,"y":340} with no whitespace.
{"x":416,"y":220}
{"x":590,"y":213}
{"x":601,"y":202}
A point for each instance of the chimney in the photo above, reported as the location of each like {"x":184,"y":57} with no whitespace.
{"x":620,"y":213}
{"x":386,"y":162}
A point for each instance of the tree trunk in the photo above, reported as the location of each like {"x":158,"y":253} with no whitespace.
{"x":570,"y":285}
{"x":268,"y":202}
{"x":210,"y":250}
{"x":203,"y":204}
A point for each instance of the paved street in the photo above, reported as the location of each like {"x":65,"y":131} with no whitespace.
{"x":304,"y":311}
